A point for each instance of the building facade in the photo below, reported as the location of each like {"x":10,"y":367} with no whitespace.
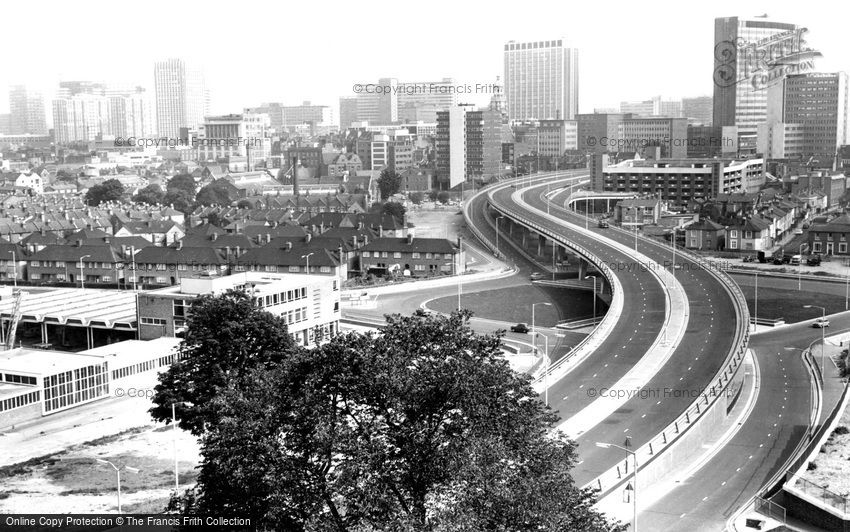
{"x":468,"y":144}
{"x":541,"y":80}
{"x":26,"y":112}
{"x":182,"y":98}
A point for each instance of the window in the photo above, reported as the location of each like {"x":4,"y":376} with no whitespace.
{"x":325,"y":269}
{"x":397,"y":255}
{"x":35,"y":263}
{"x":366,"y":254}
{"x":749,"y":234}
{"x":419,"y":267}
{"x":35,"y":276}
{"x":429,"y":255}
{"x":383,"y":254}
{"x":734,"y":244}
{"x":415,"y":255}
{"x":816,"y":247}
{"x":842,"y":247}
{"x":733,"y":233}
{"x":271,"y":268}
{"x":60,"y":264}
{"x":294,"y":269}
{"x":160,"y":267}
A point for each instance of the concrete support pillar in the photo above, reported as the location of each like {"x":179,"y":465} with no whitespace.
{"x":43,"y":332}
{"x":89,"y":337}
{"x":524,"y":233}
{"x":582,"y":268}
{"x":541,"y":245}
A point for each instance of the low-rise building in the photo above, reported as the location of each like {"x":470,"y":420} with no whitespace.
{"x":830,"y":238}
{"x":308,"y":303}
{"x":705,"y":235}
{"x":410,"y":256}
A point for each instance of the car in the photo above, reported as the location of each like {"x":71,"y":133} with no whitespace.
{"x":536,"y":276}
{"x":820,"y":323}
{"x":749,"y":258}
{"x":813,"y":260}
{"x":603,"y":224}
{"x":798,"y":232}
{"x":520,"y":328}
{"x":777,"y":260}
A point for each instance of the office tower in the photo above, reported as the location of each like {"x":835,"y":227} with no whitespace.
{"x":468,"y":144}
{"x":26,"y":111}
{"x":638,"y":134}
{"x":182,"y":99}
{"x":419,"y":101}
{"x":306,"y":113}
{"x":595,"y":129}
{"x":806,"y":118}
{"x":81,"y":112}
{"x":131,"y":112}
{"x":235,"y":135}
{"x":378,"y":103}
{"x":273,"y":110}
{"x":749,"y":56}
{"x":347,"y":111}
{"x":698,"y":110}
{"x":645,"y":108}
{"x":541,"y":80}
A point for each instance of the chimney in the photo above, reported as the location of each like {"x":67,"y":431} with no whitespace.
{"x":354,"y":241}
{"x":460,"y":243}
{"x":214,"y":237}
{"x":179,"y":245}
{"x":307,"y":238}
{"x":288,"y":246}
{"x":409,"y":238}
{"x":106,"y":240}
{"x":380,"y":231}
{"x":43,"y":232}
{"x":89,"y":226}
{"x":238,"y":251}
{"x":365,"y":239}
{"x":268,"y":238}
{"x":79,"y":243}
{"x":227,"y":252}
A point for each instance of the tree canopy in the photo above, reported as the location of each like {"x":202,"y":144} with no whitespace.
{"x":183,"y":182}
{"x":423,"y":427}
{"x":389,"y":183}
{"x":213,"y":194}
{"x":151,"y":194}
{"x":109,"y":190}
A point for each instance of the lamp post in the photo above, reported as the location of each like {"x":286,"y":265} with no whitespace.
{"x":594,"y":295}
{"x":307,"y":256}
{"x":634,"y":458}
{"x":174,"y":440}
{"x":533,"y":328}
{"x":756,"y":317}
{"x":118,"y":472}
{"x":822,"y":336}
{"x":133,"y":258}
{"x":15,"y":269}
{"x":546,"y":374}
{"x":800,"y":269}
{"x":497,"y":234}
{"x":82,"y":275}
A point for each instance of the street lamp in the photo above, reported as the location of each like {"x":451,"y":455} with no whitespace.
{"x":634,"y":458}
{"x":307,"y":256}
{"x":174,"y":440}
{"x":822,"y":335}
{"x":594,"y":295}
{"x":533,"y":328}
{"x":546,"y":374}
{"x":800,"y":269}
{"x":497,"y":233}
{"x":82,"y":275}
{"x":15,"y":271}
{"x":118,"y":472}
{"x":756,"y":317}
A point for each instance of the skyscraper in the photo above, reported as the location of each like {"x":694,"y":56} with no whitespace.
{"x":541,"y":80}
{"x":378,"y":103}
{"x":698,"y":109}
{"x":81,"y":112}
{"x":420,"y":100}
{"x":130,"y":111}
{"x":806,"y":118}
{"x":26,"y":111}
{"x":468,"y":144}
{"x":182,"y":99}
{"x":749,"y":56}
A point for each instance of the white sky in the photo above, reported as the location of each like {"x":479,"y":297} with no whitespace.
{"x":286,"y":51}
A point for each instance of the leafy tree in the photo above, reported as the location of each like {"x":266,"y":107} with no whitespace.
{"x":389,"y":183}
{"x":226,"y":338}
{"x":433,"y":194}
{"x":181,"y":200}
{"x":417,"y":197}
{"x":424,"y":427}
{"x":151,"y":194}
{"x":183,"y":182}
{"x":243,"y":204}
{"x":212,"y":194}
{"x":109,"y":190}
{"x":216,"y":219}
{"x":443,"y":197}
{"x":394,"y":209}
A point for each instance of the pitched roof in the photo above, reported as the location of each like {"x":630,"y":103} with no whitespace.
{"x":417,"y":245}
{"x":64,"y":252}
{"x":172,"y":255}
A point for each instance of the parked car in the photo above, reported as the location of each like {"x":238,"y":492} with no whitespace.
{"x":798,"y":232}
{"x":777,"y":260}
{"x":820,"y":323}
{"x":795,"y":260}
{"x":535,"y":276}
{"x":520,"y":328}
{"x":749,"y":258}
{"x":603,"y":223}
{"x":813,"y":260}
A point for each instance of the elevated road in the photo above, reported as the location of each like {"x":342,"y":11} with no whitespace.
{"x":715,"y":328}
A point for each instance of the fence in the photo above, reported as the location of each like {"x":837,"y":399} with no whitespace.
{"x":771,"y":509}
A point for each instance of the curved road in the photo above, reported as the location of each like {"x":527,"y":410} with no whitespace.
{"x":709,"y":337}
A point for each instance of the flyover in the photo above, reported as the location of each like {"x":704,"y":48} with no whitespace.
{"x":706,"y":358}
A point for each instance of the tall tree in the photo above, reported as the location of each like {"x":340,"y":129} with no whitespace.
{"x":183,"y":182}
{"x":424,"y":427}
{"x":109,"y":190}
{"x":394,"y":209}
{"x":227,"y":338}
{"x":181,"y":200}
{"x":389,"y":183}
{"x":213,"y":194}
{"x":151,"y":194}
